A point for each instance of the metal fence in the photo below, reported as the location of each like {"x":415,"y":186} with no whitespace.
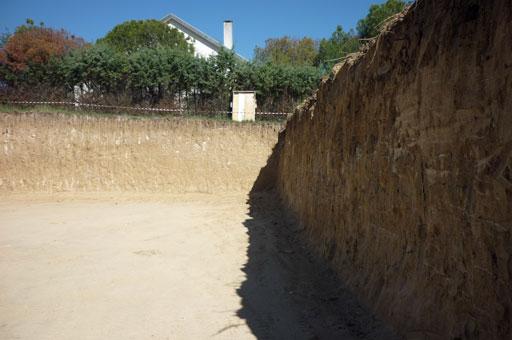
{"x":116,"y":108}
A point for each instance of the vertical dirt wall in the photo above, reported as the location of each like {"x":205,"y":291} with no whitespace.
{"x":401,"y":170}
{"x":51,"y":153}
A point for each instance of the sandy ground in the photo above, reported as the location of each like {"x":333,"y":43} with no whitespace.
{"x":188,"y":267}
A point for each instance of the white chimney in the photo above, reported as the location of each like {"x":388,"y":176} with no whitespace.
{"x":228,"y":34}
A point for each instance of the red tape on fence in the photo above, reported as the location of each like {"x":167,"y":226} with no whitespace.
{"x":132,"y":107}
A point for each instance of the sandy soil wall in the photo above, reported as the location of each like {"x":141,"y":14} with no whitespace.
{"x":401,"y":171}
{"x":51,"y":153}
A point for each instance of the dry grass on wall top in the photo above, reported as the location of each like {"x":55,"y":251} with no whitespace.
{"x":57,"y":152}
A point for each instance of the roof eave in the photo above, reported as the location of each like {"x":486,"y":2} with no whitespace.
{"x":215,"y":44}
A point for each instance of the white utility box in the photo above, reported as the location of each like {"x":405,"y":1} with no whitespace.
{"x":244,"y":106}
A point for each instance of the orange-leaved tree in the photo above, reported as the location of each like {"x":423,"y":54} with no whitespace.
{"x":31,"y":44}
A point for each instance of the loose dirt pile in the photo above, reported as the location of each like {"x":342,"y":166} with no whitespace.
{"x":401,"y":170}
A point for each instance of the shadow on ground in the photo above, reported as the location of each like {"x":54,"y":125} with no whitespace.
{"x":288,"y":292}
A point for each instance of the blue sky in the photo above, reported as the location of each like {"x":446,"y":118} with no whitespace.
{"x":254,"y":21}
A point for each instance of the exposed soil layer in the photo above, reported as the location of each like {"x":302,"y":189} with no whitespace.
{"x":99,"y":239}
{"x":54,"y":153}
{"x":400,"y":169}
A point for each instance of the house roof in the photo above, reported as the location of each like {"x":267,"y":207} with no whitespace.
{"x":195,"y":33}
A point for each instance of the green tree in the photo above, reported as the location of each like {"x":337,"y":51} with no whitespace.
{"x":133,"y":35}
{"x":155,"y":72}
{"x":287,"y":51}
{"x":222,"y":79}
{"x":336,"y":47}
{"x":370,"y":26}
{"x":279,"y":87}
{"x":100,"y":68}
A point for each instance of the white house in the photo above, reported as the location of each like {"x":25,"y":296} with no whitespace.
{"x":204,"y":45}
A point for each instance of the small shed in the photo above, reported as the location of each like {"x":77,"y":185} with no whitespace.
{"x":244,"y":106}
